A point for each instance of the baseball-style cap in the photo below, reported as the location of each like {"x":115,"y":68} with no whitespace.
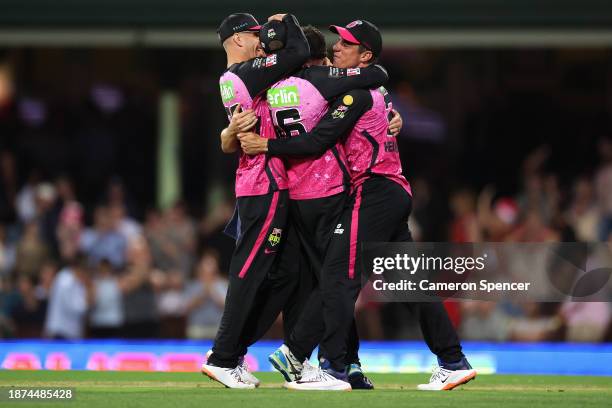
{"x":237,"y":23}
{"x":360,"y":32}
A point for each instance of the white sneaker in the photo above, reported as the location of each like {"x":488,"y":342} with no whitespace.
{"x":316,"y":379}
{"x":445,"y":380}
{"x":247,"y":376}
{"x":244,"y":372}
{"x":285,"y":363}
{"x":230,"y":377}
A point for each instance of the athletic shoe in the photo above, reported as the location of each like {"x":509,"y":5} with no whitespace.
{"x":285,"y":363}
{"x":322,"y":378}
{"x":247,"y":376}
{"x":230,"y":377}
{"x":447,"y":376}
{"x":357,"y":378}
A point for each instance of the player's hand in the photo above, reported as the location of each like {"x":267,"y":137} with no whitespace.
{"x":327,"y":62}
{"x":252,"y":143}
{"x":395,"y":126}
{"x":242,"y":121}
{"x":278,"y":17}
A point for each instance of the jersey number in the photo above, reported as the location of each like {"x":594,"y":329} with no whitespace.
{"x":287,"y":123}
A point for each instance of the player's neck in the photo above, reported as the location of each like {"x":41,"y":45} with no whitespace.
{"x":235,"y":57}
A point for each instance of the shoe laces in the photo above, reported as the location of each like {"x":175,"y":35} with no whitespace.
{"x":438,"y":373}
{"x":315,"y":374}
{"x":244,"y":366}
{"x":237,"y":373}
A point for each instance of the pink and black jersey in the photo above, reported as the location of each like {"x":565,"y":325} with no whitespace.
{"x":243,"y":84}
{"x":360,"y":119}
{"x":297,"y":104}
{"x":370,"y":148}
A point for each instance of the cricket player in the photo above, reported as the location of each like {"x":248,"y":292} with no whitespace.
{"x":377,"y":211}
{"x":318,"y":186}
{"x":261,"y":185}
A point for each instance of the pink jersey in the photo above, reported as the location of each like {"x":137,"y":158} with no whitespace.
{"x":259,"y":174}
{"x":370,"y":148}
{"x":296,"y":106}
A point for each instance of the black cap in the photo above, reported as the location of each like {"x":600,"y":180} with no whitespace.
{"x":360,"y":32}
{"x":237,"y":23}
{"x":273,"y":36}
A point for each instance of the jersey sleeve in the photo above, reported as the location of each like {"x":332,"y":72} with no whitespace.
{"x":339,"y":119}
{"x":332,"y":82}
{"x":258,"y":74}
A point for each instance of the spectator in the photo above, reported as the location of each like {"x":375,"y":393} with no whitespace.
{"x":69,"y":230}
{"x":31,"y":253}
{"x":141,"y":319}
{"x":603,"y":186}
{"x":29,"y":311}
{"x":69,"y":300}
{"x":106,"y":316}
{"x":484,"y":321}
{"x":171,"y":305}
{"x":583,"y":214}
{"x":205,"y":298}
{"x":129,"y":228}
{"x":7,"y":253}
{"x":103,"y":241}
{"x":172,"y":238}
{"x":464,"y":226}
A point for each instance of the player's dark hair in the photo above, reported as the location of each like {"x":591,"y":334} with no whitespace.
{"x":316,"y":41}
{"x":372,"y":60}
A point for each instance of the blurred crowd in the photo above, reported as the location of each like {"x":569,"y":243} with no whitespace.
{"x":84,"y":253}
{"x":64,"y":277}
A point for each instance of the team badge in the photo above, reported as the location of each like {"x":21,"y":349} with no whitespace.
{"x":339,"y":112}
{"x":271,"y":33}
{"x":270,"y":60}
{"x":275,"y":237}
{"x":347,"y":100}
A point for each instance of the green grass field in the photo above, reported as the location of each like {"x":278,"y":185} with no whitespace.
{"x":158,"y":390}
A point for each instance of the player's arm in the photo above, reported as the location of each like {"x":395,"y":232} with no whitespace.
{"x":338,"y":120}
{"x":332,"y":82}
{"x":240,"y":122}
{"x":259,"y":74}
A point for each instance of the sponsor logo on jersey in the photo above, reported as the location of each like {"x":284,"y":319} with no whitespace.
{"x":391,"y":147}
{"x":339,"y":229}
{"x":347,"y":100}
{"x":354,"y":23}
{"x":257,"y":62}
{"x":275,"y":237}
{"x":339,"y":112}
{"x":227,"y":91}
{"x":284,"y":96}
{"x":334,"y":72}
{"x":270,"y":60}
{"x":353,"y":71}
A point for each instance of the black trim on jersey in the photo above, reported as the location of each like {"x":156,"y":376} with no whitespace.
{"x":375,"y":149}
{"x":338,"y":121}
{"x":271,"y":179}
{"x":258,"y":74}
{"x":346,"y":176}
{"x":332,"y":82}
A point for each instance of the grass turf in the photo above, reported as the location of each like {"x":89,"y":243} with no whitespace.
{"x":158,"y":390}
